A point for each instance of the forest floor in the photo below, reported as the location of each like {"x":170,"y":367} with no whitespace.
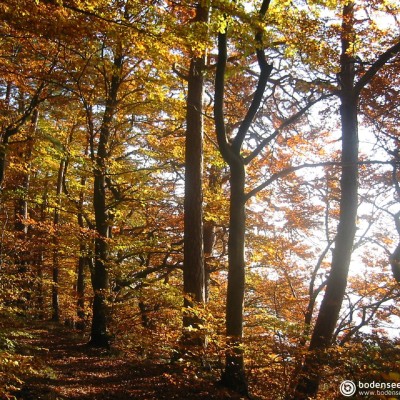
{"x":71,"y":370}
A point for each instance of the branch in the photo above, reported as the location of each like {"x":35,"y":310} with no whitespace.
{"x":33,"y":104}
{"x":283,"y":125}
{"x":376,"y":66}
{"x":313,"y":293}
{"x":231,"y":152}
{"x":181,"y":75}
{"x":290,"y":170}
{"x":265,"y":72}
{"x":93,"y":14}
{"x":366,"y":319}
{"x":220,"y":126}
{"x":285,"y":172}
{"x":72,"y":200}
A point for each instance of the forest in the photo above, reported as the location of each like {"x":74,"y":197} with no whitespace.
{"x":211,"y":187}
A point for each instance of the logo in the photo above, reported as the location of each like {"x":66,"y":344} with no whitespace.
{"x":348,"y":388}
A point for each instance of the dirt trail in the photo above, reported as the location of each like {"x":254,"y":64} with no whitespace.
{"x":75,"y":371}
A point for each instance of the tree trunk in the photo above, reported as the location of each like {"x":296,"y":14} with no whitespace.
{"x":21,"y":204}
{"x":20,"y":216}
{"x":100,"y":281}
{"x":80,"y":280}
{"x":80,"y":288}
{"x":208,"y":243}
{"x":99,"y":334}
{"x":394,"y":258}
{"x":193,"y":268}
{"x":24,"y":258}
{"x":5,"y":136}
{"x":214,"y":184}
{"x":337,"y":281}
{"x":56,"y":250}
{"x":83,"y":260}
{"x":40,"y":255}
{"x":234,"y":374}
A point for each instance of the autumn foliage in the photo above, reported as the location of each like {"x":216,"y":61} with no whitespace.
{"x":213,"y":184}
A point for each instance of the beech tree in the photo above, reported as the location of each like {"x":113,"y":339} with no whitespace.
{"x":349,"y":92}
{"x":193,"y":264}
{"x":234,"y":375}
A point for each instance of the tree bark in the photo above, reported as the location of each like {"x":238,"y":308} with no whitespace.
{"x":193,"y":267}
{"x":395,"y":263}
{"x":100,"y":280}
{"x":99,"y":334}
{"x":208,"y":243}
{"x":234,"y":374}
{"x":209,"y":229}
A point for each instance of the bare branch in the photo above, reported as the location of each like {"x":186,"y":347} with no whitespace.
{"x":290,"y":170}
{"x":376,"y":66}
{"x":295,"y":117}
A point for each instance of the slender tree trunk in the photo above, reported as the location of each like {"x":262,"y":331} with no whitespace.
{"x":56,"y":251}
{"x":39,"y":263}
{"x":40,"y":291}
{"x":337,"y":281}
{"x":21,"y":204}
{"x":193,"y":268}
{"x":209,"y":226}
{"x":82,"y":263}
{"x":83,"y":260}
{"x":20,"y":226}
{"x":99,"y":334}
{"x":40,"y":253}
{"x":208,"y":243}
{"x":234,"y":374}
{"x":80,"y":288}
{"x":24,"y":255}
{"x":394,"y":258}
{"x":5,"y":136}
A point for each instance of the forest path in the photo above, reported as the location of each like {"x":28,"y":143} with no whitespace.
{"x":75,"y":371}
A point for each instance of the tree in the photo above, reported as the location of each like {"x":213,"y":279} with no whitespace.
{"x":349,"y":93}
{"x":234,"y":375}
{"x":238,"y":154}
{"x":193,"y":264}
